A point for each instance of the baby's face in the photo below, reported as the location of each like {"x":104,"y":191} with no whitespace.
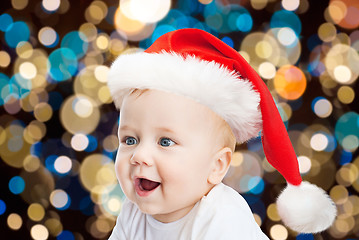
{"x":166,"y":151}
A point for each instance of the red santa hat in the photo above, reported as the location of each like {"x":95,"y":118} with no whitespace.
{"x":195,"y":64}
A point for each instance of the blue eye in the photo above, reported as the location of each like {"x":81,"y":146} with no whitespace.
{"x":166,"y":142}
{"x":130,"y":140}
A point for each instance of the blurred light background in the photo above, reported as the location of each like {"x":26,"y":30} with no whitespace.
{"x":58,"y":125}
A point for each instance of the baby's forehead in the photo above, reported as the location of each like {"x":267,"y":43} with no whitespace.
{"x":172,"y":103}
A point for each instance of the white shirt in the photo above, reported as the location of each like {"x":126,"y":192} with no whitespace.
{"x":222,"y":214}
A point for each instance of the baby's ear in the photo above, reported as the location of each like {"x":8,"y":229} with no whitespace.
{"x":220,"y":164}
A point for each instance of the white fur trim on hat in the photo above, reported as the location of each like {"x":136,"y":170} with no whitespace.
{"x":208,"y":83}
{"x":306,"y":208}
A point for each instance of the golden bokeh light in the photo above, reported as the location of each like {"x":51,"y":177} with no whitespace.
{"x":54,"y":226}
{"x":19,"y":4}
{"x":102,"y":42}
{"x":4,"y":59}
{"x":79,"y":114}
{"x":14,"y":221}
{"x":346,"y":94}
{"x":97,"y":170}
{"x":347,"y":174}
{"x":31,"y":163}
{"x":110,"y":143}
{"x":205,"y":1}
{"x":342,"y":63}
{"x":261,"y":47}
{"x":272,"y":212}
{"x":24,"y":50}
{"x":96,"y":12}
{"x":133,"y":29}
{"x":327,"y":32}
{"x":89,"y":32}
{"x":36,"y":212}
{"x":89,"y":82}
{"x":278,"y":232}
{"x":43,"y":112}
{"x":259,"y":4}
{"x":339,"y":194}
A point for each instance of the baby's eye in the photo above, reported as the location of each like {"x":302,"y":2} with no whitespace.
{"x":130,"y":140}
{"x":166,"y":142}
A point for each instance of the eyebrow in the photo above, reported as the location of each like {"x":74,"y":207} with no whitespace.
{"x":164,"y":129}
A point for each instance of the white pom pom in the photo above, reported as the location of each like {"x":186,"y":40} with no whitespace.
{"x":306,"y":208}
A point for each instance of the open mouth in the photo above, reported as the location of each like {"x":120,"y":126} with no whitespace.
{"x":145,"y":186}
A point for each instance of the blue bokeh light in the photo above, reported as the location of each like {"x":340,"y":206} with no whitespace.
{"x":17,"y":32}
{"x":244,"y":22}
{"x":2,"y":207}
{"x":10,"y":90}
{"x":4,"y":81}
{"x":160,"y":30}
{"x":65,"y":235}
{"x":76,"y":41}
{"x":303,"y":236}
{"x":347,"y":125}
{"x":92,"y":144}
{"x":228,"y":41}
{"x":288,"y":19}
{"x":5,"y":22}
{"x":345,"y":157}
{"x":256,"y":185}
{"x":16,"y":185}
{"x":50,"y":163}
{"x":62,"y":64}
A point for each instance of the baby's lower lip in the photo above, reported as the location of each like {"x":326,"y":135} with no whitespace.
{"x":141,"y":192}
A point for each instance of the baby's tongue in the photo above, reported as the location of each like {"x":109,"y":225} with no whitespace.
{"x":148,"y":185}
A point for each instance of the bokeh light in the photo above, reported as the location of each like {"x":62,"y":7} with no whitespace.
{"x":344,"y":13}
{"x":17,"y":32}
{"x":2,"y":207}
{"x":147,"y":12}
{"x":36,"y":212}
{"x":62,"y":64}
{"x":79,"y":142}
{"x":14,"y":221}
{"x":17,"y":185}
{"x":290,"y":82}
{"x":39,"y":232}
{"x":60,"y":199}
{"x":278,"y":232}
{"x":63,"y":164}
{"x":48,"y":37}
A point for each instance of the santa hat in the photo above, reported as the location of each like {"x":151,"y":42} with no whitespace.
{"x":195,"y":64}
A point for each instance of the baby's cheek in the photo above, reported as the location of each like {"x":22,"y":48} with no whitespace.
{"x":120,"y":167}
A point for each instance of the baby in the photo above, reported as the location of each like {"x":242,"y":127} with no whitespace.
{"x":184,"y":104}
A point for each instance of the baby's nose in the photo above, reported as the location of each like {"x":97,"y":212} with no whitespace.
{"x":142,"y":156}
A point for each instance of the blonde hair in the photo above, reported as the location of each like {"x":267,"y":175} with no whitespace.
{"x":225,"y":134}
